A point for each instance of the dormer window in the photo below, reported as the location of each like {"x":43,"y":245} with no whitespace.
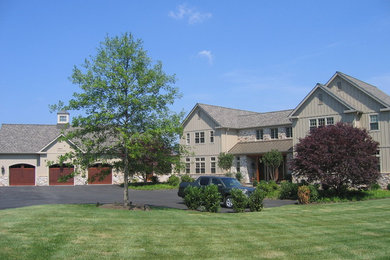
{"x":62,"y":117}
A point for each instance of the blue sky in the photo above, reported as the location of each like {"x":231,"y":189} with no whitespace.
{"x":253,"y":55}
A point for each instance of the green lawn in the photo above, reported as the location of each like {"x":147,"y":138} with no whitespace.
{"x":351,"y":230}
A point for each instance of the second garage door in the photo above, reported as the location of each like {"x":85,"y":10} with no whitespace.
{"x":100,"y":174}
{"x":56,"y":172}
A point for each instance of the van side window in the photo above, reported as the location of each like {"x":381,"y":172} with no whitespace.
{"x":204,"y":181}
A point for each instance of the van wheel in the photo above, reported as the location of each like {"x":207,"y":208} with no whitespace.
{"x":228,"y":202}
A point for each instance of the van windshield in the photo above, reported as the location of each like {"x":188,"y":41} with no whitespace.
{"x":231,"y":182}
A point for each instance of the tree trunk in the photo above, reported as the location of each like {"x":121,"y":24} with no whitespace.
{"x":126,"y":180}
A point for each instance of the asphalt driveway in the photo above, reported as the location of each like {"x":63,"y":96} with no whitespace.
{"x":14,"y":197}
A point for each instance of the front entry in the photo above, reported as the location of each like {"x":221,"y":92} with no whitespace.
{"x":265,"y":173}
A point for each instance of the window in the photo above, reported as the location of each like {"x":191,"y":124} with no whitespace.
{"x":211,"y":136}
{"x":313,"y":123}
{"x":63,"y":118}
{"x":321,"y":122}
{"x":378,"y":155}
{"x":188,"y":139}
{"x":274,"y":133}
{"x":238,"y":165}
{"x":188,"y":165}
{"x":289,"y":133}
{"x":212,"y":165}
{"x":374,"y":122}
{"x":259,"y":134}
{"x":216,"y":181}
{"x":200,"y":166}
{"x":204,"y":181}
{"x":199,"y":137}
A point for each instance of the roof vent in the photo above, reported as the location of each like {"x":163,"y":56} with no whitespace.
{"x":62,"y":118}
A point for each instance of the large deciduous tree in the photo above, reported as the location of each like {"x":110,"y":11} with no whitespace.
{"x":124,"y":111}
{"x":337,"y":155}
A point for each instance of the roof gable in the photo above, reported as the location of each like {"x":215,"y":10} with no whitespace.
{"x":347,"y":106}
{"x":366,"y":88}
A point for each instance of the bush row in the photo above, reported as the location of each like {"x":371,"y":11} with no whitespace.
{"x":205,"y":198}
{"x":242,"y":201}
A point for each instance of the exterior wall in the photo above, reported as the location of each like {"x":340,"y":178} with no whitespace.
{"x":313,"y":108}
{"x":40,"y":162}
{"x":7,"y":160}
{"x":198,"y":121}
{"x":249,"y":135}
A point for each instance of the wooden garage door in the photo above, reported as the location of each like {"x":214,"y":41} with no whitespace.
{"x":21,"y":174}
{"x":100,"y":174}
{"x":56,"y":172}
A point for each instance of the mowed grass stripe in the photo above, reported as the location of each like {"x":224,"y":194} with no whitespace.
{"x":356,"y":230}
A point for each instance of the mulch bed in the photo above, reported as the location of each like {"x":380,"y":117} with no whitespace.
{"x":121,"y":207}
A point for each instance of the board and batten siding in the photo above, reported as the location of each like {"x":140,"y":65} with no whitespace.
{"x":199,"y":121}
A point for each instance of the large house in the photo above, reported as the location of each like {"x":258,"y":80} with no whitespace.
{"x":26,"y":150}
{"x":210,"y":130}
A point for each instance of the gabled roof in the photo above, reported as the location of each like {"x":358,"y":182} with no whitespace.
{"x":23,"y":138}
{"x":369,"y":89}
{"x":323,"y":88}
{"x":238,"y":119}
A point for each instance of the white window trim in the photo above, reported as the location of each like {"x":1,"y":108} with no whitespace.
{"x":377,"y":122}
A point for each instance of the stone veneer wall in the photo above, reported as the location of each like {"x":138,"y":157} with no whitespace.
{"x":384,"y":180}
{"x":117,"y":178}
{"x":249,"y":135}
{"x":80,"y":179}
{"x":42,"y":181}
{"x":4,"y":180}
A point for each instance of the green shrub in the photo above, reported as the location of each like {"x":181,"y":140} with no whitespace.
{"x":288,"y":190}
{"x":264,"y":186}
{"x":375,"y":186}
{"x":193,"y":197}
{"x":239,"y":176}
{"x":240,"y":200}
{"x":187,"y":178}
{"x":272,"y":185}
{"x":211,"y":198}
{"x":388,"y":186}
{"x":255,"y":200}
{"x":314,"y":194}
{"x":303,"y":194}
{"x":173,"y":180}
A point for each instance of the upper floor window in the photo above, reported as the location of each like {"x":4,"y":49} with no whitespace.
{"x":211,"y":136}
{"x":199,"y":137}
{"x":188,"y":138}
{"x":274,"y":133}
{"x":374,"y":125}
{"x":259,"y":134}
{"x":289,"y":133}
{"x":321,"y":122}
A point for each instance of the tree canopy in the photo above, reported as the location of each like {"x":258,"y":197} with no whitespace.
{"x":225,"y":161}
{"x":124,"y":116}
{"x":272,"y":161}
{"x":337,"y":155}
